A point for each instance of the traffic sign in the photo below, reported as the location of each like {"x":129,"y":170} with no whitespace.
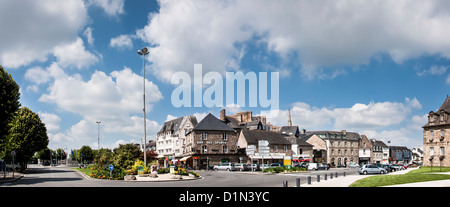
{"x":111,"y":167}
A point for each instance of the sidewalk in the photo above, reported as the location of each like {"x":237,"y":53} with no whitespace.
{"x":9,"y":178}
{"x":342,"y":181}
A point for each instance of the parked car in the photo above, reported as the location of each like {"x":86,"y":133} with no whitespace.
{"x":387,"y":168}
{"x":395,"y":167}
{"x":276,"y":164}
{"x":312,"y":166}
{"x":240,"y":167}
{"x":255,"y":167}
{"x":323,"y":167}
{"x":225,"y":166}
{"x":371,"y":169}
{"x":353,"y":165}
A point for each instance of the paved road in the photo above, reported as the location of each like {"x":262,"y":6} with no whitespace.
{"x":65,"y":177}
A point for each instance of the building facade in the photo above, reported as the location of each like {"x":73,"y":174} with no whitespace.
{"x":365,"y":150}
{"x":342,"y":146}
{"x":436,"y":137}
{"x":210,"y":143}
{"x":171,"y":139}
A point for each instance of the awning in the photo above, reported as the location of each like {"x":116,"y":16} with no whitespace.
{"x":185,"y":158}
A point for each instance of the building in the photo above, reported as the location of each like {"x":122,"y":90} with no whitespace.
{"x":380,"y":152}
{"x":320,"y":148}
{"x":209,"y":143}
{"x":365,"y":151}
{"x":342,"y":146}
{"x":171,"y":139}
{"x":417,"y":155}
{"x":436,"y":137}
{"x":399,"y":155}
{"x":279,"y":147}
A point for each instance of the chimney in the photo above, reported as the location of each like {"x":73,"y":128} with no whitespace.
{"x":303,"y":131}
{"x":222,"y":115}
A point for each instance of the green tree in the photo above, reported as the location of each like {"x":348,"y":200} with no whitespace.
{"x":9,"y":104}
{"x":27,"y":135}
{"x":126,"y":154}
{"x":86,"y":153}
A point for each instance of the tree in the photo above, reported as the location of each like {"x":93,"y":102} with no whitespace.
{"x":27,"y":135}
{"x":9,"y":104}
{"x":126,"y":154}
{"x":86,"y":153}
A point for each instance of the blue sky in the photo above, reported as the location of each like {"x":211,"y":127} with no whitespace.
{"x":376,"y":68}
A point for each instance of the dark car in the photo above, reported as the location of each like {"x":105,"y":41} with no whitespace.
{"x":387,"y":168}
{"x":323,"y":167}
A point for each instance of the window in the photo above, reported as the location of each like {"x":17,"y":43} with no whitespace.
{"x":431,"y":151}
{"x":204,"y":150}
{"x":225,"y":149}
{"x":441,"y":117}
{"x":285,"y":148}
{"x":275,"y":148}
{"x":432,"y":118}
{"x":224,"y":136}
{"x":432,"y":133}
{"x":442,"y":132}
{"x":204,"y":135}
{"x":442,"y":150}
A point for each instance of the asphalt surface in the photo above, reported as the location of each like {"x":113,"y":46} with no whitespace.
{"x":62,"y":176}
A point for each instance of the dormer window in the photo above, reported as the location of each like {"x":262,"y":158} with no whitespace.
{"x":431,"y":119}
{"x":441,"y":117}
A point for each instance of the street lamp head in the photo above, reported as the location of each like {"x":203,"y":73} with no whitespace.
{"x":145,"y":51}
{"x":139,"y":52}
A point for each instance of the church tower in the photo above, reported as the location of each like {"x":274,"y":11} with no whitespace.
{"x":289,"y":120}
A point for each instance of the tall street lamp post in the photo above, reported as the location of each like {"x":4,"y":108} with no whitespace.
{"x":142,"y":53}
{"x":98,"y":134}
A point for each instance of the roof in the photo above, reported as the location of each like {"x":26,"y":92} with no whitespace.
{"x":445,"y":106}
{"x":379,"y":143}
{"x":350,"y":135}
{"x":298,"y":141}
{"x":289,"y":130}
{"x":253,"y":136}
{"x":171,"y":125}
{"x":212,"y":123}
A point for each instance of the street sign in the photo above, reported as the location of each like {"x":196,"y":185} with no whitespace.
{"x":251,"y":150}
{"x":111,"y":167}
{"x":264,"y":143}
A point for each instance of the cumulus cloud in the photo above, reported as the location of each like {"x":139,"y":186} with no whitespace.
{"x":114,"y":99}
{"x":374,"y":119}
{"x":74,"y":54}
{"x":316,"y":34}
{"x":121,"y":42}
{"x":111,"y":7}
{"x":37,"y":27}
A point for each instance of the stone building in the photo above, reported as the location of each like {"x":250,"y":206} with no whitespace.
{"x":211,"y":142}
{"x":436,"y":137}
{"x":342,"y":146}
{"x":319,"y":149}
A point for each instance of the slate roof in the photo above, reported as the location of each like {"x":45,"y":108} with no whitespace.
{"x":212,"y":123}
{"x":289,"y":130}
{"x":445,"y":106}
{"x":253,"y":136}
{"x":174,"y":124}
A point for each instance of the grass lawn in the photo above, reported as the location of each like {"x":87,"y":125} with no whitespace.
{"x":87,"y":170}
{"x":419,"y":175}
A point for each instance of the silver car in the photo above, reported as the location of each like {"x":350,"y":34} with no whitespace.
{"x":371,"y":169}
{"x":224,"y":166}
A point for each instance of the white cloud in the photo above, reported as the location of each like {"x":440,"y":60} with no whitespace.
{"x":316,"y":34}
{"x":111,"y":7}
{"x":31,"y":29}
{"x":74,"y":54}
{"x":52,"y":121}
{"x":88,"y":34}
{"x":374,"y":119}
{"x":113,"y":99}
{"x":434,"y":70}
{"x":121,"y":42}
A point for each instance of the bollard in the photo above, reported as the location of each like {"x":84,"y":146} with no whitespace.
{"x":331,"y":175}
{"x":298,"y":182}
{"x":309,"y":180}
{"x":344,"y":174}
{"x":318,"y":178}
{"x":336,"y":174}
{"x":325,"y":177}
{"x":285,"y":183}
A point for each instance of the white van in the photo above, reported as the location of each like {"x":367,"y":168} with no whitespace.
{"x":312,"y":166}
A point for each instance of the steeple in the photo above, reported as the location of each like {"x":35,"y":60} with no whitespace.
{"x":289,"y":120}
